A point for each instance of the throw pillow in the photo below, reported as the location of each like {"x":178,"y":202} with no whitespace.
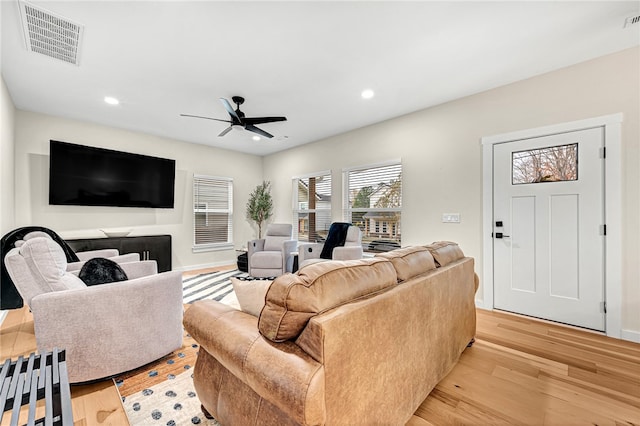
{"x":336,"y":238}
{"x":101,"y":271}
{"x":251,"y":294}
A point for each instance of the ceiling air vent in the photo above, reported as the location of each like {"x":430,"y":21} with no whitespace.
{"x":631,"y":20}
{"x":50,"y":34}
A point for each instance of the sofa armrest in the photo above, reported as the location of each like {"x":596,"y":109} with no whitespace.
{"x":139,"y":269}
{"x":123,"y":258}
{"x":347,"y":253}
{"x":252,"y":247}
{"x":287,"y":257}
{"x":90,"y":254}
{"x":133,"y":269}
{"x":309,"y":251}
{"x":109,"y":322}
{"x":282,"y":373}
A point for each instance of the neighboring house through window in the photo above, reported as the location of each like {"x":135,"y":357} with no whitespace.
{"x":373,"y":202}
{"x":212,"y":213}
{"x":312,"y":206}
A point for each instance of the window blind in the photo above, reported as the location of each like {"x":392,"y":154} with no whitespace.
{"x":212,"y":212}
{"x":373,"y":202}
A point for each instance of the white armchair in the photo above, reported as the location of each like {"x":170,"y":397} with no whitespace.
{"x":272,"y":255}
{"x":94,"y":323}
{"x":83,"y":256}
{"x":351,"y":249}
{"x":10,"y":296}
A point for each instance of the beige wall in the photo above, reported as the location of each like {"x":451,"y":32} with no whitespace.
{"x":442,"y":156}
{"x":439,"y":148}
{"x":7,"y":187}
{"x":33,"y":132}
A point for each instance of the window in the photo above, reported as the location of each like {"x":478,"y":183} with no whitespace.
{"x":553,"y":164}
{"x":312,"y":206}
{"x":373,"y":202}
{"x":212,"y":213}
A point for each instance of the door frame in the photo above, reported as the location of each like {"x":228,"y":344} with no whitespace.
{"x":612,"y":126}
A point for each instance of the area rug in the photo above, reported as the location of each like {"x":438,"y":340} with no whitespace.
{"x":213,"y":285}
{"x":162,"y":392}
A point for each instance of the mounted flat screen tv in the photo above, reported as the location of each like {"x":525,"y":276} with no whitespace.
{"x":87,"y":176}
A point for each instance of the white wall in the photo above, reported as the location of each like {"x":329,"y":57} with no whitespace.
{"x":442,"y":156}
{"x":7,"y":186}
{"x":32,"y":134}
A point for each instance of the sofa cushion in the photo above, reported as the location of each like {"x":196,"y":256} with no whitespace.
{"x":100,"y":270}
{"x":250,"y":294}
{"x":445,"y":252}
{"x":48,"y":265}
{"x":266,"y":259}
{"x":277,"y":234}
{"x":293,"y":299}
{"x":410,"y":261}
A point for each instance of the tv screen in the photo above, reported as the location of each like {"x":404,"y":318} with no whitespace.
{"x":87,"y":176}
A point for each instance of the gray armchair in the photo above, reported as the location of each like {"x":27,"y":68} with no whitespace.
{"x":94,"y":324}
{"x":352,"y":248}
{"x":272,"y":255}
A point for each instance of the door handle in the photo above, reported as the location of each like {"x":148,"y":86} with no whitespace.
{"x":500,"y":235}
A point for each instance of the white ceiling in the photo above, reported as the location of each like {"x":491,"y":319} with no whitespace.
{"x":308,"y":61}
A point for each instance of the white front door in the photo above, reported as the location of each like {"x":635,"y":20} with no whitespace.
{"x":548,"y":217}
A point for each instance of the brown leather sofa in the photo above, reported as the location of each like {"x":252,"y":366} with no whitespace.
{"x":340,"y":342}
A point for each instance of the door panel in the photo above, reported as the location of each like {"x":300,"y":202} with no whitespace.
{"x":564,"y":250}
{"x":549,"y":199}
{"x":523,"y":231}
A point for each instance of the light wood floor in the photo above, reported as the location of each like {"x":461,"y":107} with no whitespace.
{"x":520,"y":371}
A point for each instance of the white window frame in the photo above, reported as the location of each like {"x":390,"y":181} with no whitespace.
{"x":299,"y":207}
{"x":202,"y":207}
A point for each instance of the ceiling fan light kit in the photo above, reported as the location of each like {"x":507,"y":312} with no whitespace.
{"x":238,"y":120}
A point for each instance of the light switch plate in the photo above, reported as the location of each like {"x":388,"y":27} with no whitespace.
{"x":450,"y":217}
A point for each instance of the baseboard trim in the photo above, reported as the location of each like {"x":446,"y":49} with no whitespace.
{"x":480,"y":305}
{"x":204,"y":266}
{"x":3,"y":315}
{"x":630,"y":335}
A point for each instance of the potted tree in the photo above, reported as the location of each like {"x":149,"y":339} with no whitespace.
{"x":260,"y":205}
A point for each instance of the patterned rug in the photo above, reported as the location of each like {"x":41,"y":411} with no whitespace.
{"x":213,"y":285}
{"x":162,"y":393}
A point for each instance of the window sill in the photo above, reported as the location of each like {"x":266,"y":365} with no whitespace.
{"x":212,"y":247}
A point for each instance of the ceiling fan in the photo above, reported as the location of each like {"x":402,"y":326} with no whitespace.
{"x":239,"y":120}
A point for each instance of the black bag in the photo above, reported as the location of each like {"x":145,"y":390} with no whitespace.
{"x":243,"y":262}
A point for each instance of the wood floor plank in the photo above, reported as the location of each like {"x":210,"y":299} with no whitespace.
{"x":520,"y":371}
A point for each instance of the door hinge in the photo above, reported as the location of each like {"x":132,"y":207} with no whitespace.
{"x":603,"y":152}
{"x":603,"y":229}
{"x":603,"y":307}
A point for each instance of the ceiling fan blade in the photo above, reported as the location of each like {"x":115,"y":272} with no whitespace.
{"x":259,"y":120}
{"x":254,"y":129}
{"x":225,"y":131}
{"x":229,"y":108}
{"x":208,"y":118}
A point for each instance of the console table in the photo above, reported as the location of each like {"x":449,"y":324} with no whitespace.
{"x":150,"y":247}
{"x":42,"y":376}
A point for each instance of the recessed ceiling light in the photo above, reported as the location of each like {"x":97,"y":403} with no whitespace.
{"x":111,"y":101}
{"x":367,"y":94}
{"x":256,"y":138}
